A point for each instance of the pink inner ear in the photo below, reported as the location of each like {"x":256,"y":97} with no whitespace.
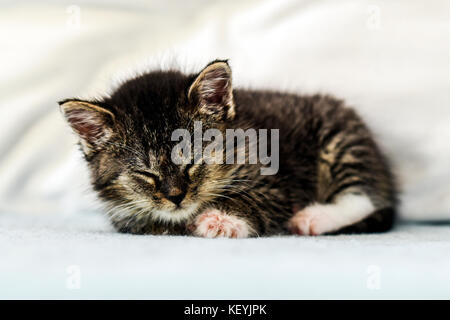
{"x":215,"y":87}
{"x":88,"y":124}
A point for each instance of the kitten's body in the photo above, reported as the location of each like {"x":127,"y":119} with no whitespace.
{"x":331,"y":178}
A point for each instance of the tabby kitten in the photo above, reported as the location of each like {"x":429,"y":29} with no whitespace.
{"x":332,"y":177}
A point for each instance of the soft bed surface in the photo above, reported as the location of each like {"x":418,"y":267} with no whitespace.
{"x":40,"y":255}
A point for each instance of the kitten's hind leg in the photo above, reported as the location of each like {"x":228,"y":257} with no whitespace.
{"x":381,"y":220}
{"x":318,"y":218}
{"x":355,"y":191}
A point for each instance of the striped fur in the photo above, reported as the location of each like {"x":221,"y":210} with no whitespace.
{"x":330,"y":165}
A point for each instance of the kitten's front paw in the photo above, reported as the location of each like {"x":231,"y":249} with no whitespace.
{"x":213,"y":223}
{"x":312,"y":220}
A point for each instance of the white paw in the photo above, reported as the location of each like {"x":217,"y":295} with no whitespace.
{"x":213,"y":223}
{"x":322,"y":218}
{"x":312,"y":220}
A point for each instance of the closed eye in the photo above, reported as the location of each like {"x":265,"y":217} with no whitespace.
{"x":148,"y":175}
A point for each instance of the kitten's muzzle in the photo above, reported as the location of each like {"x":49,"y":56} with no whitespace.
{"x":176,"y":199}
{"x":175,"y":195}
{"x":174,"y":190}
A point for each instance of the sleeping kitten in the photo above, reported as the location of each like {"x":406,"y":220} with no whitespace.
{"x":332,"y":177}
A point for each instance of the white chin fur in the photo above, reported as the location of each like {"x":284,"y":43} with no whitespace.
{"x":174,"y":216}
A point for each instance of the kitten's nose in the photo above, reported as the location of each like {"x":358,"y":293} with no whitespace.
{"x":176,"y":196}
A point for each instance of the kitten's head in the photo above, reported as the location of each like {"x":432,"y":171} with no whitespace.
{"x":126,"y":140}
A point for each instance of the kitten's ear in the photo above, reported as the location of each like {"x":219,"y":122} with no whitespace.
{"x":93,"y":124}
{"x":212,"y":92}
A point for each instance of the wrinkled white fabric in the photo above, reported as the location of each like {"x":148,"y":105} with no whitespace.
{"x":389,"y":61}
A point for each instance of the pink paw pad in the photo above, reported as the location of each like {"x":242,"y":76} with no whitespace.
{"x":312,"y":220}
{"x":213,"y":223}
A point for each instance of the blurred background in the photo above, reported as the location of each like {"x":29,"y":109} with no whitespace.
{"x":387,"y":59}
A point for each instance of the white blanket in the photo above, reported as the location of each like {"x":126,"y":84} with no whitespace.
{"x":50,"y":257}
{"x":390,"y":60}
